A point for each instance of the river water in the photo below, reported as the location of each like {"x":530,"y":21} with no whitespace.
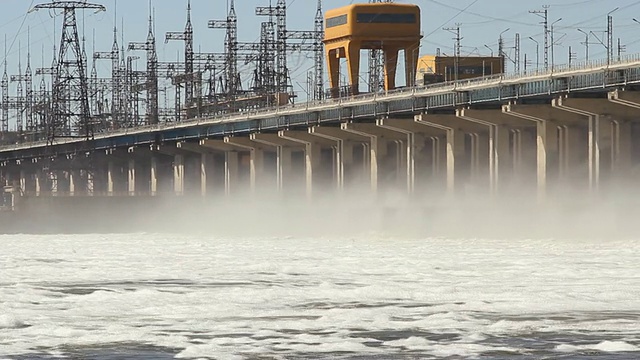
{"x":153,"y":296}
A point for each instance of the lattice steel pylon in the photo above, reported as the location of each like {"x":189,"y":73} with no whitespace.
{"x":152,"y":72}
{"x":24,"y":97}
{"x":4,"y":124}
{"x":280,"y":13}
{"x":319,"y":53}
{"x":187,"y":37}
{"x":114,"y":56}
{"x":376,"y":61}
{"x":70,"y":115}
{"x":232,"y":82}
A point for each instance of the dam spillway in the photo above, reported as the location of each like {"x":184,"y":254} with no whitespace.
{"x":574,"y":126}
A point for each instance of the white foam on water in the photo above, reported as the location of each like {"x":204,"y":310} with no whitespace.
{"x":604,"y":346}
{"x":413,"y":343}
{"x":8,"y":321}
{"x":467,"y":350}
{"x":226,"y":297}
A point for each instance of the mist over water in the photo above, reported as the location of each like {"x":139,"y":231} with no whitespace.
{"x":265,"y":276}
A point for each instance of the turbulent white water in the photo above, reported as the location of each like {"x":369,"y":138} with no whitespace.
{"x":358,"y":297}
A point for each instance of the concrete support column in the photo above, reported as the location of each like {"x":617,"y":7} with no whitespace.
{"x":38,"y":183}
{"x":600,"y":129}
{"x":411,"y":161}
{"x":131,"y":177}
{"x":621,"y":155}
{"x":74,"y":178}
{"x":339,"y":155}
{"x":555,"y":130}
{"x":501,"y":154}
{"x":284,"y":165}
{"x":546,"y":144}
{"x":153,"y":176}
{"x":111,"y":173}
{"x":23,"y":181}
{"x":594,"y":152}
{"x":378,"y":142}
{"x":256,"y":170}
{"x":178,"y":174}
{"x":231,"y":165}
{"x":416,"y":135}
{"x":204,"y":160}
{"x":455,"y":150}
{"x":460,"y":161}
{"x":312,"y":150}
{"x":53,"y":180}
{"x":345,"y":143}
{"x":375,"y":152}
{"x":90,"y":178}
{"x":438,"y":150}
{"x":622,"y":162}
{"x":256,"y":158}
{"x":284,"y":148}
{"x":516,"y":150}
{"x":482,"y":158}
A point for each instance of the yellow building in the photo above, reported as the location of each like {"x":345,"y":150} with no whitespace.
{"x":383,"y":26}
{"x":433,"y":68}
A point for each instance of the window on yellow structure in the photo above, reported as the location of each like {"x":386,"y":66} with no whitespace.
{"x":374,"y":18}
{"x":337,"y":21}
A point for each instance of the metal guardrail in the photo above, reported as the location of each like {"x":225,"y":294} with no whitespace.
{"x":447,"y":94}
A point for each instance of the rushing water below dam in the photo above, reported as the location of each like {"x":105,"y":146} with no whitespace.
{"x":152,"y":296}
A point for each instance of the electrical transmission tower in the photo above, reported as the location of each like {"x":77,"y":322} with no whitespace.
{"x":18,"y":102}
{"x":231,"y":75}
{"x":70,"y":115}
{"x":458,"y":48}
{"x":187,"y":37}
{"x":610,"y":36}
{"x":116,"y":79}
{"x":4,"y":124}
{"x":317,"y":48}
{"x":544,"y":14}
{"x":24,"y":98}
{"x":376,"y":63}
{"x":319,"y":54}
{"x":280,"y":13}
{"x":152,"y":72}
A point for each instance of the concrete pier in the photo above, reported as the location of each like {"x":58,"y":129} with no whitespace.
{"x":385,"y":165}
{"x":552,"y":149}
{"x":285,"y":176}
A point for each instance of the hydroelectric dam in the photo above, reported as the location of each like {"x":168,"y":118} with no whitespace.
{"x":561,"y":131}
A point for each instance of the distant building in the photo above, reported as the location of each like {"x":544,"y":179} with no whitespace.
{"x":434,"y":69}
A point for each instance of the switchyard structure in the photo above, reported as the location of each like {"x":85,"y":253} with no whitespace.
{"x":455,"y":131}
{"x":73,"y":101}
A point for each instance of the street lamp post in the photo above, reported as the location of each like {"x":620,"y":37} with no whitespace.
{"x":610,"y":35}
{"x":501,"y":49}
{"x":586,"y":44}
{"x":490,"y":49}
{"x":537,"y":52}
{"x":553,"y":45}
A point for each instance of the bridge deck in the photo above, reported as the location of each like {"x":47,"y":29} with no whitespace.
{"x":590,"y":77}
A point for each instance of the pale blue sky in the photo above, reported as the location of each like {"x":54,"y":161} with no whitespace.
{"x":481,"y":24}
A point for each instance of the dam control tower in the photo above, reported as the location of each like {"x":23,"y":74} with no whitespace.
{"x":387,"y":27}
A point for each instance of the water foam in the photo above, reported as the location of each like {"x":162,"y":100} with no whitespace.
{"x":369,"y":295}
{"x":8,"y":321}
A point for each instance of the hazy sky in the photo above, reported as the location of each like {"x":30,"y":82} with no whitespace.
{"x":481,"y":23}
